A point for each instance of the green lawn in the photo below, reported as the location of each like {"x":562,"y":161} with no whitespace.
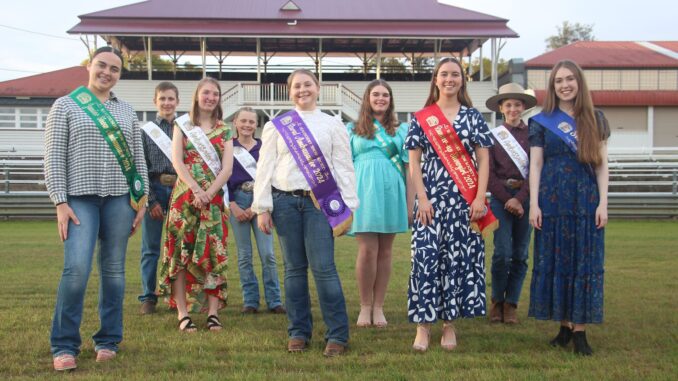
{"x":639,"y":339}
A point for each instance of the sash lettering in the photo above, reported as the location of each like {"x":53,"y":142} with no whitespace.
{"x":517,"y":154}
{"x":456,"y":160}
{"x":562,"y":125}
{"x":159,"y":137}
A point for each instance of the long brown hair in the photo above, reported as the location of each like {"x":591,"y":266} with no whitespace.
{"x":434,"y":93}
{"x":588,"y":132}
{"x":217,"y":113}
{"x":365,"y":121}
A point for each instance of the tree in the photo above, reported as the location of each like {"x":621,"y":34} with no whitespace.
{"x":137,"y":62}
{"x":569,"y":33}
{"x":502,"y":66}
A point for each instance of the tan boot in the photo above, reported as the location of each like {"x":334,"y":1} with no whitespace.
{"x":496,"y":314}
{"x":510,"y":314}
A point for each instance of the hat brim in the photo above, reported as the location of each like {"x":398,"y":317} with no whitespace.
{"x":493,"y":102}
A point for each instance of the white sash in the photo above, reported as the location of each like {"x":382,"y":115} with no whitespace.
{"x":159,"y":137}
{"x":202,"y":144}
{"x":246,"y":160}
{"x":513,"y":149}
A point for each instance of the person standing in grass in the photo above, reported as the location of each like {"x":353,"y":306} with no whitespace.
{"x":306,"y":186}
{"x":241,"y":184}
{"x":381,"y":171}
{"x":96,"y":176}
{"x":568,"y":207}
{"x":162,"y":176}
{"x":194,"y":251}
{"x":509,"y":165}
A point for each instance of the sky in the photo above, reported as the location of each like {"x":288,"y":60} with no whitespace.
{"x":34,"y":40}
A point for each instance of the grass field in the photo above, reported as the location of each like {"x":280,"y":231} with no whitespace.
{"x":639,"y":339}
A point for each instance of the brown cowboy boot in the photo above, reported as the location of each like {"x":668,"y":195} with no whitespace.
{"x":510,"y":315}
{"x":496,"y":314}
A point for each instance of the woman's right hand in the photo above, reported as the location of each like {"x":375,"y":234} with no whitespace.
{"x":425,"y":212}
{"x":265,"y":222}
{"x":535,"y":217}
{"x":64,"y":215}
{"x":238,"y":213}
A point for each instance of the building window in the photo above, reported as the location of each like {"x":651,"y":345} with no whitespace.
{"x":146,"y":116}
{"x":404,"y":117}
{"x":23,"y":117}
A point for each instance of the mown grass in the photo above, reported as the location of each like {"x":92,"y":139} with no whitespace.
{"x":639,"y":339}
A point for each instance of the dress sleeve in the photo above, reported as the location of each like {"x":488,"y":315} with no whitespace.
{"x":349,"y":129}
{"x":56,"y":148}
{"x":603,"y":125}
{"x":480,"y":132}
{"x":268,"y":155}
{"x":536,"y":134}
{"x":401,"y":134}
{"x":413,"y":140}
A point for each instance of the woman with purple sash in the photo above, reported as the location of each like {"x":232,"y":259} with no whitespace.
{"x":306,"y":187}
{"x":568,"y":207}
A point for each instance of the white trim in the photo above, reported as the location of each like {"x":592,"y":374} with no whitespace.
{"x":658,"y":49}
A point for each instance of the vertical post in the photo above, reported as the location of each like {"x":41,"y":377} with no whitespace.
{"x":650,"y":128}
{"x":482,"y":67}
{"x":494,"y":75}
{"x":149,"y":59}
{"x":258,"y":60}
{"x":379,"y":47}
{"x":436,"y":49}
{"x":203,"y":49}
{"x":319,"y":60}
{"x":270,"y":92}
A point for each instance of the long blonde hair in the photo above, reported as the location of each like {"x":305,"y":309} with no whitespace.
{"x":434,"y":93}
{"x":363,"y":126}
{"x":217,"y":113}
{"x":588,"y":132}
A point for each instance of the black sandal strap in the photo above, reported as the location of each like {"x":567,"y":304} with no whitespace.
{"x":189,"y":325}
{"x":213,"y":321}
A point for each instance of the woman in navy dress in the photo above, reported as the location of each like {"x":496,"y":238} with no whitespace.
{"x":447,"y":280}
{"x":568,"y":209}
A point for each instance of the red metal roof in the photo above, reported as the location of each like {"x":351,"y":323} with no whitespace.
{"x":626,"y":98}
{"x":47,"y":85}
{"x":608,"y":54}
{"x":402,"y":18}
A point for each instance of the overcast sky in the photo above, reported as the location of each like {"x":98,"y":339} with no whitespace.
{"x":35,"y":50}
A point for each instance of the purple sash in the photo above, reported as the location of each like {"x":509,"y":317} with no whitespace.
{"x":312,"y":163}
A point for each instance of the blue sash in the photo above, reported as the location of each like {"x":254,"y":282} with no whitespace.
{"x":560,"y":124}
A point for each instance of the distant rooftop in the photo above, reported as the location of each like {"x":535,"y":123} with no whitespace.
{"x":53,"y":84}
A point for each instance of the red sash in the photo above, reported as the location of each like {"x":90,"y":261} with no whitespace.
{"x":456,"y":160}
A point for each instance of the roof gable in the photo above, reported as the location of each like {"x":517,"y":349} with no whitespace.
{"x":53,"y":84}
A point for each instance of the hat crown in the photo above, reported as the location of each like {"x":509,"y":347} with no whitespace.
{"x":511,"y":88}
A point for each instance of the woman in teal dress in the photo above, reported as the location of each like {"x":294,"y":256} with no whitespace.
{"x":380,"y":163}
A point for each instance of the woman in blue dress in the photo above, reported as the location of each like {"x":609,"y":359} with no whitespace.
{"x":380,"y":162}
{"x":568,"y":208}
{"x":447,"y":280}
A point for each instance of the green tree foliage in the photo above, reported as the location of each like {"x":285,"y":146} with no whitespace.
{"x":569,"y":33}
{"x":502,"y":66}
{"x":137,"y":62}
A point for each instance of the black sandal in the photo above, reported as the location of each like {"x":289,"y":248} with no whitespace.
{"x":213,"y":322}
{"x":189,"y":326}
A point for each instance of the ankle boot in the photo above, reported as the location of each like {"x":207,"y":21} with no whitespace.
{"x":581,"y":346}
{"x":496,"y":312}
{"x":563,"y":338}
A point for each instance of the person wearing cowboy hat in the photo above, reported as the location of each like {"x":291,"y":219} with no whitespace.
{"x":510,"y":201}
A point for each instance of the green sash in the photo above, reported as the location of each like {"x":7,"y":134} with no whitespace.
{"x":388,"y":148}
{"x":112,"y":134}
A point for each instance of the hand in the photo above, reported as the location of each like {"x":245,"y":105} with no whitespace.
{"x":156,"y":212}
{"x":137,"y":220}
{"x":250,"y":214}
{"x":238,"y":213}
{"x":203,"y":196}
{"x":535,"y":217}
{"x":478,"y":209}
{"x":425,"y":212}
{"x":64,"y":215}
{"x":265,"y":222}
{"x":601,"y":216}
{"x":514,"y":207}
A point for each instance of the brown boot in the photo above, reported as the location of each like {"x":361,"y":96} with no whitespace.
{"x":496,"y":311}
{"x":510,"y":315}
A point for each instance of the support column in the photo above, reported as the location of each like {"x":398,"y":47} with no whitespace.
{"x":258,"y":60}
{"x":319,"y":60}
{"x":149,"y":59}
{"x":650,"y":128}
{"x":203,"y":49}
{"x":379,"y":46}
{"x":494,"y":75}
{"x":482,"y":67}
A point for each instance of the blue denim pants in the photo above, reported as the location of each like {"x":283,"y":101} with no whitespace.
{"x":242,"y":231}
{"x":306,"y":240}
{"x":151,"y":240}
{"x":108,"y":222}
{"x":511,"y":244}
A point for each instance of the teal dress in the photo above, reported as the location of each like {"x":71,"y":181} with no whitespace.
{"x":381,"y":189}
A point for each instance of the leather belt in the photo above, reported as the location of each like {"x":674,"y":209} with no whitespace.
{"x":167,"y":179}
{"x":247,"y":186}
{"x":513,"y":183}
{"x":295,"y":193}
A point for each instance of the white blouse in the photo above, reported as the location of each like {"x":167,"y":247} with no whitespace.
{"x":276,"y":166}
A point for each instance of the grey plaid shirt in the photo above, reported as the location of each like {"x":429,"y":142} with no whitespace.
{"x":156,"y":161}
{"x":78,"y":160}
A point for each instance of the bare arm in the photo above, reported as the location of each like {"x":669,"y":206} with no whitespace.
{"x":536,"y":165}
{"x":182,"y":171}
{"x":603,"y":180}
{"x":478,"y":204}
{"x":226,"y":170}
{"x":409,"y":192}
{"x":424,"y":209}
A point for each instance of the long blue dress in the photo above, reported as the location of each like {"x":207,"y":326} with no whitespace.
{"x":567,"y":276}
{"x":381,"y":189}
{"x":447,"y":280}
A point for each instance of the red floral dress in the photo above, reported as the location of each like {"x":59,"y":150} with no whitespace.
{"x":195,"y":239}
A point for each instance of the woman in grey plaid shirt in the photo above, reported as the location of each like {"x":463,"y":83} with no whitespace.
{"x":92,"y":199}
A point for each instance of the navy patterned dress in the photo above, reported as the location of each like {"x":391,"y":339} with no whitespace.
{"x":567,"y":276}
{"x":447,"y":280}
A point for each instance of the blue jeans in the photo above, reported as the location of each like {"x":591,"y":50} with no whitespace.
{"x":509,"y":261}
{"x":108,"y":222}
{"x":242,"y":232}
{"x":306,"y":240}
{"x":151,"y":238}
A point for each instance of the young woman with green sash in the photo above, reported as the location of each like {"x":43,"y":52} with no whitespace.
{"x":96,"y":176}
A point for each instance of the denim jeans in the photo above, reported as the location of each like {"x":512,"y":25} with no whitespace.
{"x":151,"y":238}
{"x":108,"y":222}
{"x":306,"y":240}
{"x":242,"y":232}
{"x":511,"y":244}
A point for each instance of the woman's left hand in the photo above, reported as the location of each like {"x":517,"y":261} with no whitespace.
{"x":478,"y":209}
{"x":137,"y":220}
{"x":601,"y":216}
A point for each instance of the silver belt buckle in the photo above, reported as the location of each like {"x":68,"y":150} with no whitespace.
{"x":247,"y":186}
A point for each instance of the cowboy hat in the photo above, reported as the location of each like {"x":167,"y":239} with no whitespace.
{"x":511,"y":91}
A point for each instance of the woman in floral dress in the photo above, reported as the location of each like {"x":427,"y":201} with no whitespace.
{"x":194,"y":251}
{"x":447,"y":280}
